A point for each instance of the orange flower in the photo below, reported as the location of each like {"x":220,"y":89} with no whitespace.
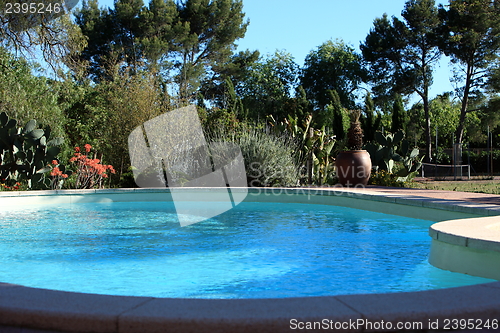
{"x":55,"y":172}
{"x":110,"y":168}
{"x":64,"y":175}
{"x":54,"y":162}
{"x":77,"y":149}
{"x":87,"y":147}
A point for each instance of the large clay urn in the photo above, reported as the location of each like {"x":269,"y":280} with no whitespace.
{"x":353,"y":167}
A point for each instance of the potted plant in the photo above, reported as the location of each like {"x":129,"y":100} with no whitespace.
{"x":354,"y":166}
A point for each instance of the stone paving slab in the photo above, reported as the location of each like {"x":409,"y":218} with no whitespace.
{"x":482,"y":198}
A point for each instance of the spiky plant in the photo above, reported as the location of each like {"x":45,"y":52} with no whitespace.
{"x":355,"y":133}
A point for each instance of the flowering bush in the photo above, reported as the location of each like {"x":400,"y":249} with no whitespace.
{"x":5,"y":187}
{"x":58,"y":174}
{"x":90,"y":172}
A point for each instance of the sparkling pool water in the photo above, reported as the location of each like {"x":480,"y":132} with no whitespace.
{"x":256,"y":250}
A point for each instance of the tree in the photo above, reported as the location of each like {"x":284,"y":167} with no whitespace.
{"x":52,"y":32}
{"x":490,"y":117}
{"x":471,"y":37}
{"x":98,"y":27}
{"x":182,"y":41}
{"x":337,"y":121}
{"x":214,"y":26}
{"x":237,"y":69}
{"x":402,"y":55}
{"x":104,"y":114}
{"x":232,"y":101}
{"x":416,"y":124}
{"x":161,"y":30}
{"x":444,"y":115}
{"x":301,"y":107}
{"x":493,"y":83}
{"x":398,"y":115}
{"x":24,"y":96}
{"x":269,"y":86}
{"x":369,"y":122}
{"x":115,"y":36}
{"x":382,"y":50}
{"x":333,"y":66}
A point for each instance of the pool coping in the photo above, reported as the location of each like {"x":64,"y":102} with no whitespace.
{"x":53,"y":310}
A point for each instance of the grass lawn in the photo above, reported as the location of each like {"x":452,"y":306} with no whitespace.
{"x":479,"y":186}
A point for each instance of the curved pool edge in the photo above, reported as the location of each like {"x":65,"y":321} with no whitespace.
{"x":24,"y":307}
{"x":469,"y":246}
{"x":74,"y":312}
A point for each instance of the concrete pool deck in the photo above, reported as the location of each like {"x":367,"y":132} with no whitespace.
{"x":32,"y":310}
{"x":480,"y":198}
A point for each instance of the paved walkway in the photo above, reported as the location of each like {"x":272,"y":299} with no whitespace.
{"x":483,"y":198}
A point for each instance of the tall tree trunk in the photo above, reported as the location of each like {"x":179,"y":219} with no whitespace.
{"x":465,"y":101}
{"x":428,"y":139}
{"x":425,"y":100}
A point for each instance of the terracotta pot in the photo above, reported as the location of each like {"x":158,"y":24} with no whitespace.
{"x":353,"y":167}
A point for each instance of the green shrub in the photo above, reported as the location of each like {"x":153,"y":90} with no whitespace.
{"x":441,"y":156}
{"x":384,"y":178}
{"x":269,"y":159}
{"x":479,"y":161}
{"x":25,"y":96}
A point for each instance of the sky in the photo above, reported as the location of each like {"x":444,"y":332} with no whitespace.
{"x":300,"y":26}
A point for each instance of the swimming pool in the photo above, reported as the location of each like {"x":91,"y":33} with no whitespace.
{"x":34,"y":308}
{"x":255,"y":250}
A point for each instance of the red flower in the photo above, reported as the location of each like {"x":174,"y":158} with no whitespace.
{"x":64,"y":175}
{"x":87,"y":147}
{"x":54,"y":162}
{"x":55,"y":172}
{"x":110,"y":168}
{"x":77,"y":149}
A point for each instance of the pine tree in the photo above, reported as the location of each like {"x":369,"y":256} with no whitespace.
{"x":302,"y":105}
{"x":370,"y":120}
{"x":398,"y":115}
{"x":471,"y":37}
{"x":401,"y":55}
{"x":337,"y":119}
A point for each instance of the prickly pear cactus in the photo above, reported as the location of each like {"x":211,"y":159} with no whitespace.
{"x":385,"y":152}
{"x":26,"y":153}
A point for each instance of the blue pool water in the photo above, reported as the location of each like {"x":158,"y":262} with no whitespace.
{"x":256,"y":250}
